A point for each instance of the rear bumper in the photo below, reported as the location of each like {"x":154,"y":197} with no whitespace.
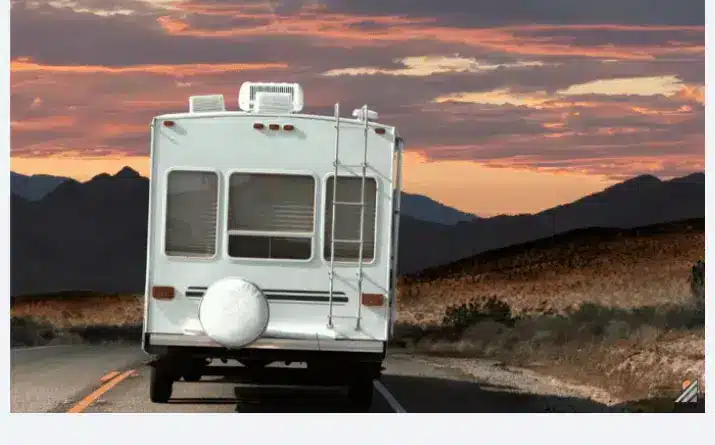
{"x":154,"y":342}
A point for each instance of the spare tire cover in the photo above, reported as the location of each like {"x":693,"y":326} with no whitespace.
{"x":234,"y":312}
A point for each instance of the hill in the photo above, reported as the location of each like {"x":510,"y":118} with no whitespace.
{"x":427,"y":209}
{"x":34,"y":187}
{"x":617,"y":268}
{"x":91,"y":236}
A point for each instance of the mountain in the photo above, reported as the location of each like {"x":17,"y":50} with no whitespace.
{"x":34,"y":187}
{"x":427,"y":209}
{"x":421,"y":207}
{"x":91,"y":235}
{"x":81,"y":236}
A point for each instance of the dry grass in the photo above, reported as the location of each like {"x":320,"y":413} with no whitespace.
{"x":610,"y":311}
{"x":69,"y":312}
{"x":614,"y":312}
{"x":46,"y":320}
{"x":622,"y":273}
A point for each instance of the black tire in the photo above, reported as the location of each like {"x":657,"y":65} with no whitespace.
{"x":160,"y":385}
{"x":194,"y":371}
{"x":360,"y":395}
{"x":192,"y":376}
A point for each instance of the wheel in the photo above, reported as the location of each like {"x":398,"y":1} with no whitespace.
{"x":160,"y":385}
{"x":360,"y":395}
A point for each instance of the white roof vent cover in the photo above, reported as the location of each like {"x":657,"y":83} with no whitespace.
{"x":207,"y":103}
{"x":279,"y":97}
{"x":359,"y":114}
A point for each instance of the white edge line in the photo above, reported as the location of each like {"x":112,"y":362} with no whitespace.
{"x":394,"y":404}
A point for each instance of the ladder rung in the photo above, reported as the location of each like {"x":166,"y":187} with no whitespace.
{"x":353,"y":165}
{"x":348,"y":203}
{"x":352,"y":241}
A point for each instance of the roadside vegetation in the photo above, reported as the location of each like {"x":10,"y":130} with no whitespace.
{"x":624,"y":312}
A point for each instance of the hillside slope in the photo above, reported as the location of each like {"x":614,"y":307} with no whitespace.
{"x":92,"y":235}
{"x":622,"y":268}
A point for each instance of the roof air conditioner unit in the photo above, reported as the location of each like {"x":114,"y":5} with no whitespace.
{"x":286,"y":96}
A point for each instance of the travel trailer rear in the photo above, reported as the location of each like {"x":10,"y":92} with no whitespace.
{"x":244,"y":261}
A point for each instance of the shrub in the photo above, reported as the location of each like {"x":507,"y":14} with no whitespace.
{"x":697,"y":285}
{"x":459,"y":317}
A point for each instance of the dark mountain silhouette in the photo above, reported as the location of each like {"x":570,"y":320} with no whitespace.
{"x":91,"y":236}
{"x":420,"y":207}
{"x":427,"y":209}
{"x":34,"y":187}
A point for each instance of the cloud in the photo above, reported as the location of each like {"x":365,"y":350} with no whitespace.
{"x":430,"y":65}
{"x":25,"y":65}
{"x":470,"y":13}
{"x":561,"y":85}
{"x":641,"y":86}
{"x":631,"y":86}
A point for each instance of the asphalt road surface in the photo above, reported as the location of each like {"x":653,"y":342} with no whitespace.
{"x":115,"y":378}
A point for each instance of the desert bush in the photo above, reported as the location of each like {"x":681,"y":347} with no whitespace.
{"x":30,"y":332}
{"x":101,"y":334}
{"x":697,"y":285}
{"x":461,"y":316}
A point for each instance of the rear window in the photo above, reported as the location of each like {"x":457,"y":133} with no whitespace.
{"x":271,"y":216}
{"x":191,"y":213}
{"x":347,"y":227}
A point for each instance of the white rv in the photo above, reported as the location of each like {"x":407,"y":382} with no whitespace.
{"x":255,"y":252}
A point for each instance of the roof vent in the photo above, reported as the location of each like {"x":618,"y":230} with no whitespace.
{"x":274,"y":103}
{"x":359,"y":114}
{"x":275,"y":97}
{"x":207,"y":103}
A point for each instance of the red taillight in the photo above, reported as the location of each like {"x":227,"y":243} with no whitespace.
{"x":162,"y":292}
{"x":288,"y":127}
{"x":274,"y":127}
{"x":380,"y":130}
{"x":259,"y":126}
{"x":372,"y":299}
{"x":169,"y":123}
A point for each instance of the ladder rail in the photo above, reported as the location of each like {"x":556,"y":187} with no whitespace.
{"x":362,"y":221}
{"x":361,"y":241}
{"x":396,"y":214}
{"x":332,"y":224}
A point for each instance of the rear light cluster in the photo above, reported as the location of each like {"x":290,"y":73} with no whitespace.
{"x":162,"y":292}
{"x":373,"y":299}
{"x":289,"y":127}
{"x":273,"y":127}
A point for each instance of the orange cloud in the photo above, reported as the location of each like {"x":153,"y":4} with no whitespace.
{"x":692,"y":92}
{"x":26,"y":65}
{"x":338,"y":29}
{"x":114,"y":129}
{"x":42,"y":124}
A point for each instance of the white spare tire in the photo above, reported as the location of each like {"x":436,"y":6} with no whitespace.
{"x":234,"y":312}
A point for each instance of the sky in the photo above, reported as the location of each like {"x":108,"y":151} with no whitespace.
{"x":508,"y":106}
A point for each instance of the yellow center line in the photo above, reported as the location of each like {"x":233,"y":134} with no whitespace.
{"x":109,"y":376}
{"x":84,"y":403}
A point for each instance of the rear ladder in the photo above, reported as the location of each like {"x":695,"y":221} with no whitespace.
{"x":361,"y":204}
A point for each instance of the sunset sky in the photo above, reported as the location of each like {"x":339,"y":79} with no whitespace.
{"x":506,"y":106}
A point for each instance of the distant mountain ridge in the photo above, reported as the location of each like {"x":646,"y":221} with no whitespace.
{"x":34,"y":187}
{"x":91,"y":235}
{"x":427,"y":209}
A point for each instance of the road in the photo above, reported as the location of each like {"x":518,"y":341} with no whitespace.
{"x":115,"y":378}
